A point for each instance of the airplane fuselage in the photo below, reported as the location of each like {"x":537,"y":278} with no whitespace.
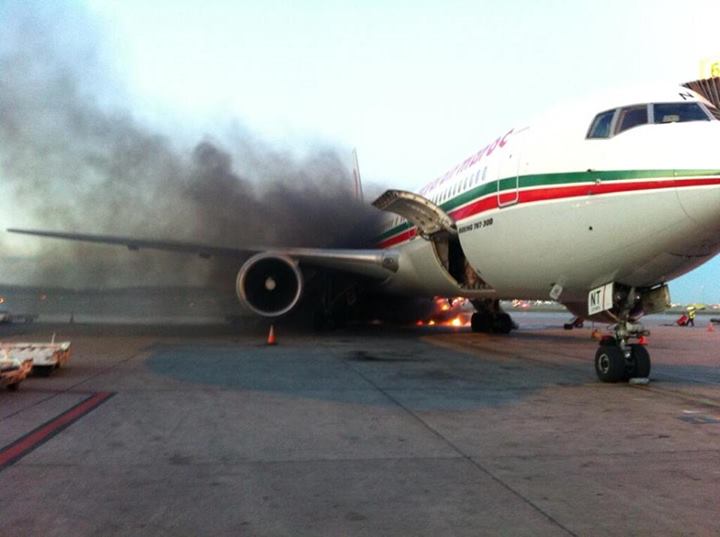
{"x":597,"y":205}
{"x":551,"y":205}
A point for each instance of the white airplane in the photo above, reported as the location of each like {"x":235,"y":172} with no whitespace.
{"x":596,"y":206}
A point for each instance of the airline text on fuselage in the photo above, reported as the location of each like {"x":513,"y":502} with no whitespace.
{"x":467,"y":163}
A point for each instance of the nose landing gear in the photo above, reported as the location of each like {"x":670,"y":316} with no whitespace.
{"x":616,"y":359}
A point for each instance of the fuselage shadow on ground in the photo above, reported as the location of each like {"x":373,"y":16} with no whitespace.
{"x":354,"y":366}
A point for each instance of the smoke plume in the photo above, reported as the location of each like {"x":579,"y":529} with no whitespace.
{"x":72,"y":159}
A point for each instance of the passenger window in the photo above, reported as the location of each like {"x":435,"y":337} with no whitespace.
{"x":679,"y":112}
{"x":632,"y":116}
{"x":600,"y":127}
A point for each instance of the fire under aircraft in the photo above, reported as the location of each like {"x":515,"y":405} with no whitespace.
{"x":597,"y":205}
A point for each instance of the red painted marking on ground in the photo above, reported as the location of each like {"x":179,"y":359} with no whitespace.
{"x":12,"y":453}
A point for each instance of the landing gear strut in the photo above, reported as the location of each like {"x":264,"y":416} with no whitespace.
{"x":490,"y":318}
{"x":335,"y":300}
{"x":616,"y":359}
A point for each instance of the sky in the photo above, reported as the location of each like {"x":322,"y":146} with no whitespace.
{"x":415,"y":86}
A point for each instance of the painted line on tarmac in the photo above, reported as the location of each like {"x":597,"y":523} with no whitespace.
{"x":12,"y":453}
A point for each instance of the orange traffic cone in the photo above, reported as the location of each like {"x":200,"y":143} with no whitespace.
{"x":711,"y":327}
{"x":596,"y":335}
{"x":271,"y":336}
{"x":642,"y":340}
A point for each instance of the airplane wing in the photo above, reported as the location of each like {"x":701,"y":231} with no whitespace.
{"x":374,"y":263}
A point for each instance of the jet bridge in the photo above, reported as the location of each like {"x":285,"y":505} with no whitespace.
{"x":708,"y":88}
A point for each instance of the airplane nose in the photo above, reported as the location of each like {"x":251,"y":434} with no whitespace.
{"x":699,"y":196}
{"x":698,"y":182}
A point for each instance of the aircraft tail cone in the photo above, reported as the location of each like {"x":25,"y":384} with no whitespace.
{"x":271,"y":336}
{"x":710,"y":327}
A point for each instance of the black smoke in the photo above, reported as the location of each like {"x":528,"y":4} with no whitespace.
{"x":73,"y":157}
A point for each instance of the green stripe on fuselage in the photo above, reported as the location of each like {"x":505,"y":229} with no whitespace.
{"x":550,"y":179}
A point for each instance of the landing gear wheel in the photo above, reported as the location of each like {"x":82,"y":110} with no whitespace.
{"x":481,"y":322}
{"x":610,"y":363}
{"x":503,"y":324}
{"x":640,"y":362}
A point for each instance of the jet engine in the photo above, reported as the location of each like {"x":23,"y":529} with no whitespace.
{"x":269,"y":284}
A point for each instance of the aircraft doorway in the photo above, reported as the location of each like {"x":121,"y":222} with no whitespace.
{"x":509,"y":181}
{"x":453,"y":260}
{"x":509,"y":171}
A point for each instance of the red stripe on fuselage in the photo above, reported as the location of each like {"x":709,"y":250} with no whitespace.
{"x":490,"y":201}
{"x":397,"y":239}
{"x":575,"y":191}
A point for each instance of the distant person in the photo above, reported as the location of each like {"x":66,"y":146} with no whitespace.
{"x":691,"y":312}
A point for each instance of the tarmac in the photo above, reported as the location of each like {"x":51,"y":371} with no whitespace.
{"x":201,"y":430}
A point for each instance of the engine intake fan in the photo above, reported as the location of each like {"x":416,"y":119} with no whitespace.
{"x":269,"y":284}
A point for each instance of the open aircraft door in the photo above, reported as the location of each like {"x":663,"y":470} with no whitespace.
{"x":429,"y":219}
{"x":439,"y":229}
{"x":432,"y":223}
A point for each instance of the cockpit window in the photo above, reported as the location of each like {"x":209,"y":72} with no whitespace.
{"x":612,"y":122}
{"x":631,"y":116}
{"x":678,"y":112}
{"x":600,"y":127}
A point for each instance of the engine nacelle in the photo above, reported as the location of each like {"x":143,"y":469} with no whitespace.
{"x":269,"y":284}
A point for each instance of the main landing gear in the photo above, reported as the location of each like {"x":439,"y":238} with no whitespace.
{"x":336,"y":297}
{"x":575,"y":322}
{"x":490,"y":318}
